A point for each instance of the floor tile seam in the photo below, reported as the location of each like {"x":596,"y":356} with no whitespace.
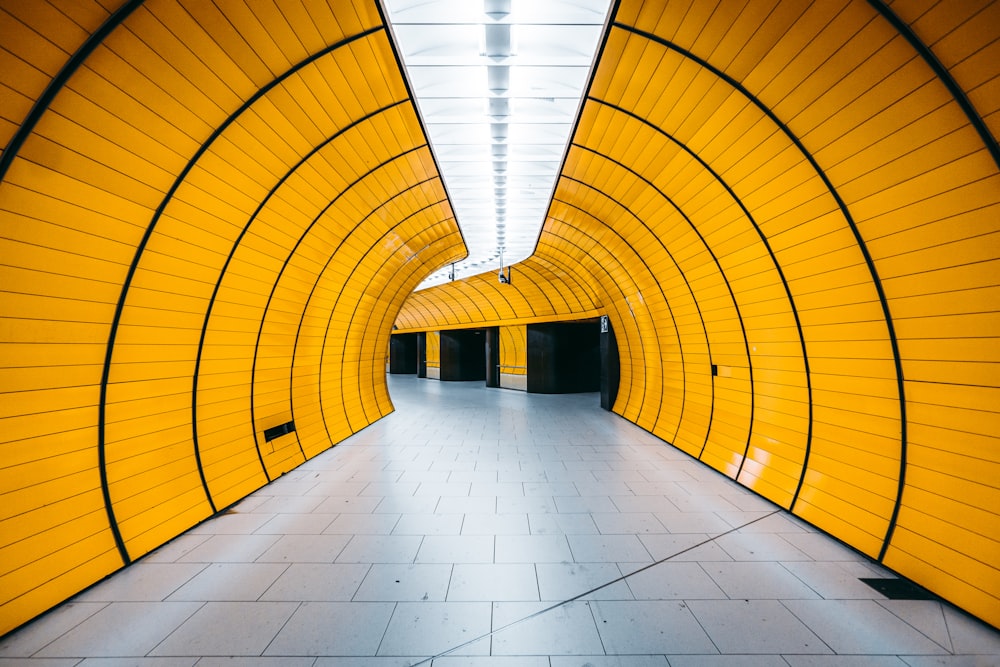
{"x":791,"y":611}
{"x":782,"y":565}
{"x":385,"y":630}
{"x":361,"y":582}
{"x":624,"y":577}
{"x":947,"y":625}
{"x":201,"y":605}
{"x":263,"y":652}
{"x":34,"y":654}
{"x":944,"y":617}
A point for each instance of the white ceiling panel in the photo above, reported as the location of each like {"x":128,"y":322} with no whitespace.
{"x":498,"y":85}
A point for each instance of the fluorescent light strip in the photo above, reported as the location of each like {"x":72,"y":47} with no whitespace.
{"x":498,"y":84}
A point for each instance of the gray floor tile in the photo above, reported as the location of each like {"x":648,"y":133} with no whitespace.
{"x":349,"y":504}
{"x":684,"y":547}
{"x":495,"y":524}
{"x":390,"y":489}
{"x":472,"y":582}
{"x":532,"y":549}
{"x":496,"y":489}
{"x":926,"y":616}
{"x":550,"y":489}
{"x":121,"y":629}
{"x":758,"y":581}
{"x":652,"y":504}
{"x":144,"y":662}
{"x":338,"y":488}
{"x":288,"y":486}
{"x":565,"y":581}
{"x":232,"y":523}
{"x":389,"y":582}
{"x":466,"y":505}
{"x":762,"y":521}
{"x":289,"y":504}
{"x":230,"y":582}
{"x":363,"y":524}
{"x":587,"y":504}
{"x":610,"y":661}
{"x":456,"y":549}
{"x":562,"y":524}
{"x":491,"y":661}
{"x":755,"y":626}
{"x":650,"y":627}
{"x":970,"y":635}
{"x":689,"y":503}
{"x":568,"y":629}
{"x":627,"y":523}
{"x":693,"y":522}
{"x":759,"y":546}
{"x":608,"y":549}
{"x":297,"y":524}
{"x":380,"y":549}
{"x":305,"y":549}
{"x":443,"y":489}
{"x":728,"y":660}
{"x":176,"y":548}
{"x":861,"y":626}
{"x":408,"y":505}
{"x":477,"y":476}
{"x":430,"y":628}
{"x":144,"y":581}
{"x":526,"y":505}
{"x":821,"y":548}
{"x":228,"y":629}
{"x":317,"y":582}
{"x":849,"y":661}
{"x":834,"y":581}
{"x":230,"y":549}
{"x":429,"y":524}
{"x":333,"y":629}
{"x":30,"y":638}
{"x":246,"y":661}
{"x":674,"y":581}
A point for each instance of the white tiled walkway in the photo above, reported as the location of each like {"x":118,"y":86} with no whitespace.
{"x":482,"y":527}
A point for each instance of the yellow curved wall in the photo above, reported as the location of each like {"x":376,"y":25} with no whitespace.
{"x":792,"y":194}
{"x":513,"y":351}
{"x":210,"y":221}
{"x":200,"y":240}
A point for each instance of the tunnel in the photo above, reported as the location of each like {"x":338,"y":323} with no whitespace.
{"x":215,"y":216}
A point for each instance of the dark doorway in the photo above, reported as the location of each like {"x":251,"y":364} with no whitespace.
{"x":422,"y":354}
{"x":493,"y":357}
{"x":610,"y":364}
{"x":403,"y":353}
{"x":462,"y":355}
{"x":564,"y":357}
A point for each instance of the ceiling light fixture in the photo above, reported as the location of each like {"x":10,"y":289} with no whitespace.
{"x":498,"y":85}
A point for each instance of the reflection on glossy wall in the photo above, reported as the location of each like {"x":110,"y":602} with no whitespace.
{"x":209,"y":227}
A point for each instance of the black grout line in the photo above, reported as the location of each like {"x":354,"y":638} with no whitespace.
{"x":594,"y":590}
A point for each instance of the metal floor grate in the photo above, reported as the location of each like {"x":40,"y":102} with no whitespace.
{"x":899,"y":589}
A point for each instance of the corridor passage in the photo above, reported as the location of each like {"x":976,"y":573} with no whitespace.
{"x":481,"y":527}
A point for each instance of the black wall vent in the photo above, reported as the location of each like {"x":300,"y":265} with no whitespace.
{"x":278,"y":431}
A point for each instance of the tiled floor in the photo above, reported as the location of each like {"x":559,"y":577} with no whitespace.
{"x":480,"y":527}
